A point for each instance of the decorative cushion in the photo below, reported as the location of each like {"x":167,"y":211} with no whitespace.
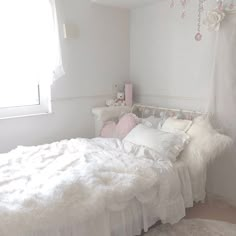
{"x":108,"y":131}
{"x":173,"y":124}
{"x":168,"y":144}
{"x":125,"y":125}
{"x":120,"y":130}
{"x":205,"y":145}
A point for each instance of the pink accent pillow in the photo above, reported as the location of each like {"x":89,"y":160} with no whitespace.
{"x":109,"y":129}
{"x":124,"y":126}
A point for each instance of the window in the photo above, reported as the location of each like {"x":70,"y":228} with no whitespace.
{"x":27,"y":56}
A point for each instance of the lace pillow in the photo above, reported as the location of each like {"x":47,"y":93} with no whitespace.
{"x":168,"y":145}
{"x":175,"y":125}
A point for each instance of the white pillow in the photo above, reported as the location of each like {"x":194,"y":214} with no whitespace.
{"x":168,"y":145}
{"x":205,"y":145}
{"x":174,"y":124}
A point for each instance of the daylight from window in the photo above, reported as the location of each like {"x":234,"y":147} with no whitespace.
{"x":26,"y":50}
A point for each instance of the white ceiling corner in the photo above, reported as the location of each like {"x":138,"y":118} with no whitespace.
{"x":129,"y":4}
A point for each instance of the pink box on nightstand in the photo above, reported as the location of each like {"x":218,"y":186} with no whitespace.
{"x":129,"y":94}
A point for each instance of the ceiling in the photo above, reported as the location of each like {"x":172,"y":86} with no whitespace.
{"x":124,"y":3}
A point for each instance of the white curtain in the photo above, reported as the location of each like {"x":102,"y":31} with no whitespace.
{"x":223,"y":95}
{"x":50,"y":60}
{"x":30,"y":49}
{"x":58,"y":65}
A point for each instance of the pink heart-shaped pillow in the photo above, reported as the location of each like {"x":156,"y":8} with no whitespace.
{"x":109,"y":130}
{"x":124,"y":126}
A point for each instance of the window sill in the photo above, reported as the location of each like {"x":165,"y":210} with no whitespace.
{"x":26,"y":116}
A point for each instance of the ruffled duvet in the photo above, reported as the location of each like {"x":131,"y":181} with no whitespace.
{"x":45,"y":186}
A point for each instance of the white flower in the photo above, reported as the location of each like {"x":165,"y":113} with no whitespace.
{"x":213,"y":19}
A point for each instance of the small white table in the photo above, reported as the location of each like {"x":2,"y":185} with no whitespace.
{"x":103,"y":114}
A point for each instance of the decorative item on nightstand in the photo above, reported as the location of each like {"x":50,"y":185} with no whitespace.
{"x":129,"y":94}
{"x":123,"y":98}
{"x":119,"y":101}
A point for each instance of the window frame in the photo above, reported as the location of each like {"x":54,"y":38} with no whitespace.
{"x":44,"y":106}
{"x":53,"y":67}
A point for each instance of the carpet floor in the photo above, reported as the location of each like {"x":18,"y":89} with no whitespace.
{"x":212,"y":218}
{"x":195,"y":227}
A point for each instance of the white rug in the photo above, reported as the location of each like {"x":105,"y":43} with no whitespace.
{"x":195,"y":227}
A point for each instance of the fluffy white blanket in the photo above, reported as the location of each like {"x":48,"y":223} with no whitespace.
{"x":70,"y":181}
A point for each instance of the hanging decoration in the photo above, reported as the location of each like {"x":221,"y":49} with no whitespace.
{"x":214,"y":17}
{"x":172,"y":4}
{"x":231,"y":6}
{"x":183,"y":5}
{"x":183,"y":2}
{"x":220,"y":5}
{"x":198,"y":36}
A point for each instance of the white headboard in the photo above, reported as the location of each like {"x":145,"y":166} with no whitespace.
{"x":104,"y":114}
{"x":144,"y":111}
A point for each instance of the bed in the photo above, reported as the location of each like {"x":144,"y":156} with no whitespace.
{"x":85,"y":187}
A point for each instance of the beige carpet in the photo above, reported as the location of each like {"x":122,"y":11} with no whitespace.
{"x":195,"y":227}
{"x":213,"y":210}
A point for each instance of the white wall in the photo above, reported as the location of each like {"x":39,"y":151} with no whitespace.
{"x":93,"y":63}
{"x":169,"y":68}
{"x":167,"y":64}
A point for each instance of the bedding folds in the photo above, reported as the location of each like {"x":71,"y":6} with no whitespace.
{"x":65,"y":188}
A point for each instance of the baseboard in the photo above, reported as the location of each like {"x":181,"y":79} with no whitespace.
{"x":211,"y":196}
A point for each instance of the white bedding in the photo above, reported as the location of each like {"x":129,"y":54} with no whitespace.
{"x":52,"y":189}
